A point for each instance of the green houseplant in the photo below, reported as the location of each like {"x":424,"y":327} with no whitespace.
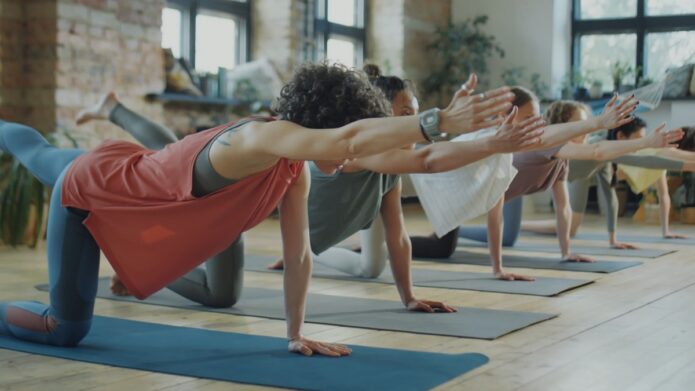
{"x":22,"y":201}
{"x":459,"y":49}
{"x":619,"y":71}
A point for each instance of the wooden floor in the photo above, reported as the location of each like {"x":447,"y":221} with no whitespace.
{"x":631,"y":330}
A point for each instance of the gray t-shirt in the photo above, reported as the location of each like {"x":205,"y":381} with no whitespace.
{"x":342,"y":204}
{"x":538,"y":171}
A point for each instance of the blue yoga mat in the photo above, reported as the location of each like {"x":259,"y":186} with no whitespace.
{"x":252,"y":359}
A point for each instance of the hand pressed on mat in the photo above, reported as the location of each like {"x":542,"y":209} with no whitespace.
{"x":578,"y":258}
{"x":502,"y":275}
{"x":428,"y":306}
{"x":308,"y":347}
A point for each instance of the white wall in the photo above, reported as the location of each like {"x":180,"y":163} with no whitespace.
{"x":535,"y":34}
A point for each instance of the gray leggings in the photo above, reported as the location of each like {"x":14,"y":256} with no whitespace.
{"x":219,"y":284}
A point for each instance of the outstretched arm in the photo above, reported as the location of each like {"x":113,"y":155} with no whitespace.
{"x":371,"y":136}
{"x":613,"y":116}
{"x":495,"y":221}
{"x":446,"y":156}
{"x":607,"y":150}
{"x":296,"y":251}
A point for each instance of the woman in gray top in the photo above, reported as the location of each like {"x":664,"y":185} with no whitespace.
{"x":582,"y":171}
{"x":343,"y":203}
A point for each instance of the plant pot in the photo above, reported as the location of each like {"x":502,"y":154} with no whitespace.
{"x":581,"y":93}
{"x":596,"y":91}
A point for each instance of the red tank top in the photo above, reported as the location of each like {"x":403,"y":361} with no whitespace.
{"x":144,"y":218}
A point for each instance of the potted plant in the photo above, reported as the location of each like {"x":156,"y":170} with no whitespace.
{"x":459,"y":49}
{"x":23,"y":200}
{"x":573,"y":86}
{"x":596,"y":89}
{"x":619,"y":71}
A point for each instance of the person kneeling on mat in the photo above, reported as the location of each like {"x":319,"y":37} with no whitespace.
{"x":581,"y":172}
{"x":546,"y":168}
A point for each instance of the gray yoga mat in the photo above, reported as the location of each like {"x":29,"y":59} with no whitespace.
{"x":577,"y":248}
{"x":471,"y":258}
{"x":637,"y":239}
{"x":356,"y":312}
{"x":483,"y":282}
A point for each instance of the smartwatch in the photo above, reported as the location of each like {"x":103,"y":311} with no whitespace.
{"x":429,"y":125}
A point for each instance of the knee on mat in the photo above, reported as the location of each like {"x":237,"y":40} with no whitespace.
{"x":223,"y":300}
{"x":69,"y":334}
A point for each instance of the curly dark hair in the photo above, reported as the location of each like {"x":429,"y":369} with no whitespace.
{"x":329,"y":96}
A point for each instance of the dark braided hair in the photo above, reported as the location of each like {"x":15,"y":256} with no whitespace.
{"x":628,"y":129}
{"x":687,"y":143}
{"x":389,"y":85}
{"x":323,"y":96}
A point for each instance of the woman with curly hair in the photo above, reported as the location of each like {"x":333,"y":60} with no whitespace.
{"x":157,"y":215}
{"x":363,"y":195}
{"x":582,"y":171}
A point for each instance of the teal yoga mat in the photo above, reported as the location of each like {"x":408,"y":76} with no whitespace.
{"x":484,"y":282}
{"x":388,"y":315}
{"x":597,"y":250}
{"x":252,"y":359}
{"x":472,"y":258}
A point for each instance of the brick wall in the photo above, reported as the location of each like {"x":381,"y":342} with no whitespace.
{"x":11,"y":60}
{"x":400,"y":31}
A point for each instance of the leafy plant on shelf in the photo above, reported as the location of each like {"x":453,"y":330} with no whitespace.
{"x":459,"y":50}
{"x":619,"y":71}
{"x":517,"y":76}
{"x":22,"y":202}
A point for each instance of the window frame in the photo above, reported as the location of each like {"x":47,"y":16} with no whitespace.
{"x":241,"y":11}
{"x":641,"y":25}
{"x":322,"y":30}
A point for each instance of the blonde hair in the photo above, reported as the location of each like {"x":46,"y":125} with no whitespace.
{"x":560,"y":112}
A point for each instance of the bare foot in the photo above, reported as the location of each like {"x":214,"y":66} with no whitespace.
{"x":100,"y":111}
{"x":277,"y":265}
{"x":117,"y":287}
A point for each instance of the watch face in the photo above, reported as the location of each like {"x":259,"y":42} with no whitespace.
{"x":430,"y":119}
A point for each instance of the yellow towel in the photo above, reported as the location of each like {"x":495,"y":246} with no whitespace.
{"x":640,"y":178}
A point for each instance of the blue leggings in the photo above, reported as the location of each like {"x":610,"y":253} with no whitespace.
{"x":73,"y":255}
{"x":513,"y":210}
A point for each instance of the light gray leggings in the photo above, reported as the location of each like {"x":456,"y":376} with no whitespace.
{"x":219,"y":284}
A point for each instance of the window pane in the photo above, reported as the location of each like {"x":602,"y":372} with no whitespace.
{"x":342,"y":12}
{"x":670,"y":7}
{"x":669,"y":50}
{"x":215,"y":41}
{"x":341,"y":51}
{"x":598,"y":52}
{"x":171,"y":30}
{"x":602,"y":9}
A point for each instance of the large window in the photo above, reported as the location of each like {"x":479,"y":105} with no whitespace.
{"x":208,"y":33}
{"x":338,"y":31}
{"x":649,"y":36}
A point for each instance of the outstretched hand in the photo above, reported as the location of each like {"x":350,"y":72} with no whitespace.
{"x":660,"y":139}
{"x":428,"y":306}
{"x":512,"y":137}
{"x":308,"y":347}
{"x":616,"y":115}
{"x":467,"y":113}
